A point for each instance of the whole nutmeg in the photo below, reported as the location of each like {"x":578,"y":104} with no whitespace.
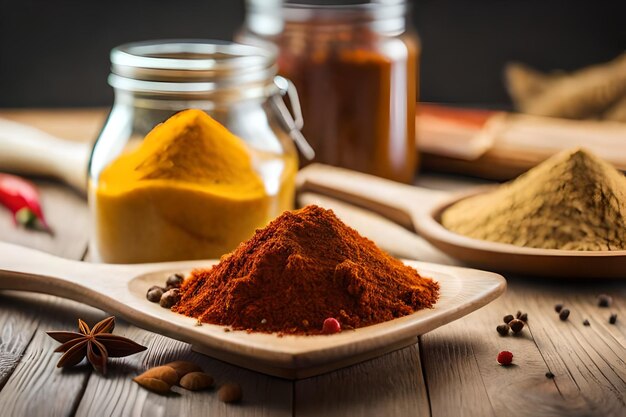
{"x":503,"y":329}
{"x":196,"y":381}
{"x":516,"y":325}
{"x":174,"y":281}
{"x":508,"y":318}
{"x":169,"y":298}
{"x":230,"y":393}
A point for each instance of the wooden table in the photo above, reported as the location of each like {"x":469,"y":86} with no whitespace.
{"x":451,"y":371}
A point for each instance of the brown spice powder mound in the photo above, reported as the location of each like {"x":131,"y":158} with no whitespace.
{"x":304,"y":267}
{"x":572,"y":201}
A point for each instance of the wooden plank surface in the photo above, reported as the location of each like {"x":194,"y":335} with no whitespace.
{"x":392,"y":385}
{"x":587,"y":361}
{"x":452,"y":372}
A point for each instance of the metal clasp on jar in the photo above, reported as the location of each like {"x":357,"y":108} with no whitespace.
{"x":293,"y":122}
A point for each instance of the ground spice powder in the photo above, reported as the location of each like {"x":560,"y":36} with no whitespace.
{"x":572,"y":201}
{"x":304,"y":267}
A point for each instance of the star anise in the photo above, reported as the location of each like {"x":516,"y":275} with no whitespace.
{"x":97,"y":344}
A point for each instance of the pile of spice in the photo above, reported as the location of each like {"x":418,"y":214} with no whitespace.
{"x":573,"y":201}
{"x":306,"y":266}
{"x":187,"y":191}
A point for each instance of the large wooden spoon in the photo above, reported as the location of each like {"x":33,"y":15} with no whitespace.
{"x":121,"y":290}
{"x":420,"y":210}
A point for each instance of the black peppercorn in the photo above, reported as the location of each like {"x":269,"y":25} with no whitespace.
{"x":503,"y":329}
{"x":524,"y":317}
{"x":586,"y":323}
{"x":154,"y":294}
{"x":613,"y":318}
{"x":564,"y":314}
{"x":549,"y":375}
{"x":604,"y":300}
{"x":516,"y":325}
{"x":169,"y":298}
{"x":508,"y":318}
{"x":174,"y":281}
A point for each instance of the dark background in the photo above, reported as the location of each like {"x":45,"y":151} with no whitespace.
{"x":55,"y":52}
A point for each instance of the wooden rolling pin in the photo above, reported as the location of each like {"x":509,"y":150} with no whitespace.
{"x":30,"y":151}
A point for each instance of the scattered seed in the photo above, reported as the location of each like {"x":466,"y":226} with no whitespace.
{"x":331,"y":326}
{"x":564,"y":314}
{"x":518,"y":314}
{"x":516,"y":325}
{"x":604,"y":300}
{"x":226,"y":330}
{"x":154,"y":294}
{"x":505,"y":358}
{"x":558,"y":308}
{"x":549,"y":375}
{"x":503,"y":329}
{"x":182,"y":368}
{"x":196,"y":381}
{"x":586,"y":323}
{"x":163,"y":373}
{"x":169,"y":298}
{"x":613,"y":318}
{"x":524,"y":317}
{"x":230,"y":393}
{"x":508,"y":318}
{"x":264,"y":321}
{"x":154,"y":385}
{"x":174,"y":281}
{"x":198,"y":323}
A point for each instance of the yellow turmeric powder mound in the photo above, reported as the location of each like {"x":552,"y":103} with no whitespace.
{"x":189,"y":191}
{"x":572,"y":201}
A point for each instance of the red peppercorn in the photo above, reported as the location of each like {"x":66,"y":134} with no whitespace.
{"x":331,"y":326}
{"x":505,"y":358}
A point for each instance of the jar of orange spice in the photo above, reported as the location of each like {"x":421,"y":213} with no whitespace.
{"x":355,"y":68}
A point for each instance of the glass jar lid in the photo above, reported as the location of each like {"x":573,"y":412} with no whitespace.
{"x":196,"y":67}
{"x":267,"y":17}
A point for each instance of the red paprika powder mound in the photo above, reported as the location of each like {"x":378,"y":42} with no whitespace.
{"x":303,"y":268}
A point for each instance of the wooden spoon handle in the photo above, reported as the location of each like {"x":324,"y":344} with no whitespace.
{"x":26,"y":150}
{"x":104,"y":286}
{"x":397,"y":202}
{"x":26,"y":269}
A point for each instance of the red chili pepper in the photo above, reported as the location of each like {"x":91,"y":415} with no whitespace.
{"x":22,"y":198}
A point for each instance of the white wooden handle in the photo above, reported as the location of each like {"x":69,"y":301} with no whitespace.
{"x":30,"y":270}
{"x":104,"y":286}
{"x":395,"y":201}
{"x":26,"y":150}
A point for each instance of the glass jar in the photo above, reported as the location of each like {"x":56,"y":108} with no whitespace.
{"x":355,"y":67}
{"x":234,"y":84}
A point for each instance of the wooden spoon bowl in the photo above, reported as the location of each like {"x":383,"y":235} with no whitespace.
{"x":494,"y":256}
